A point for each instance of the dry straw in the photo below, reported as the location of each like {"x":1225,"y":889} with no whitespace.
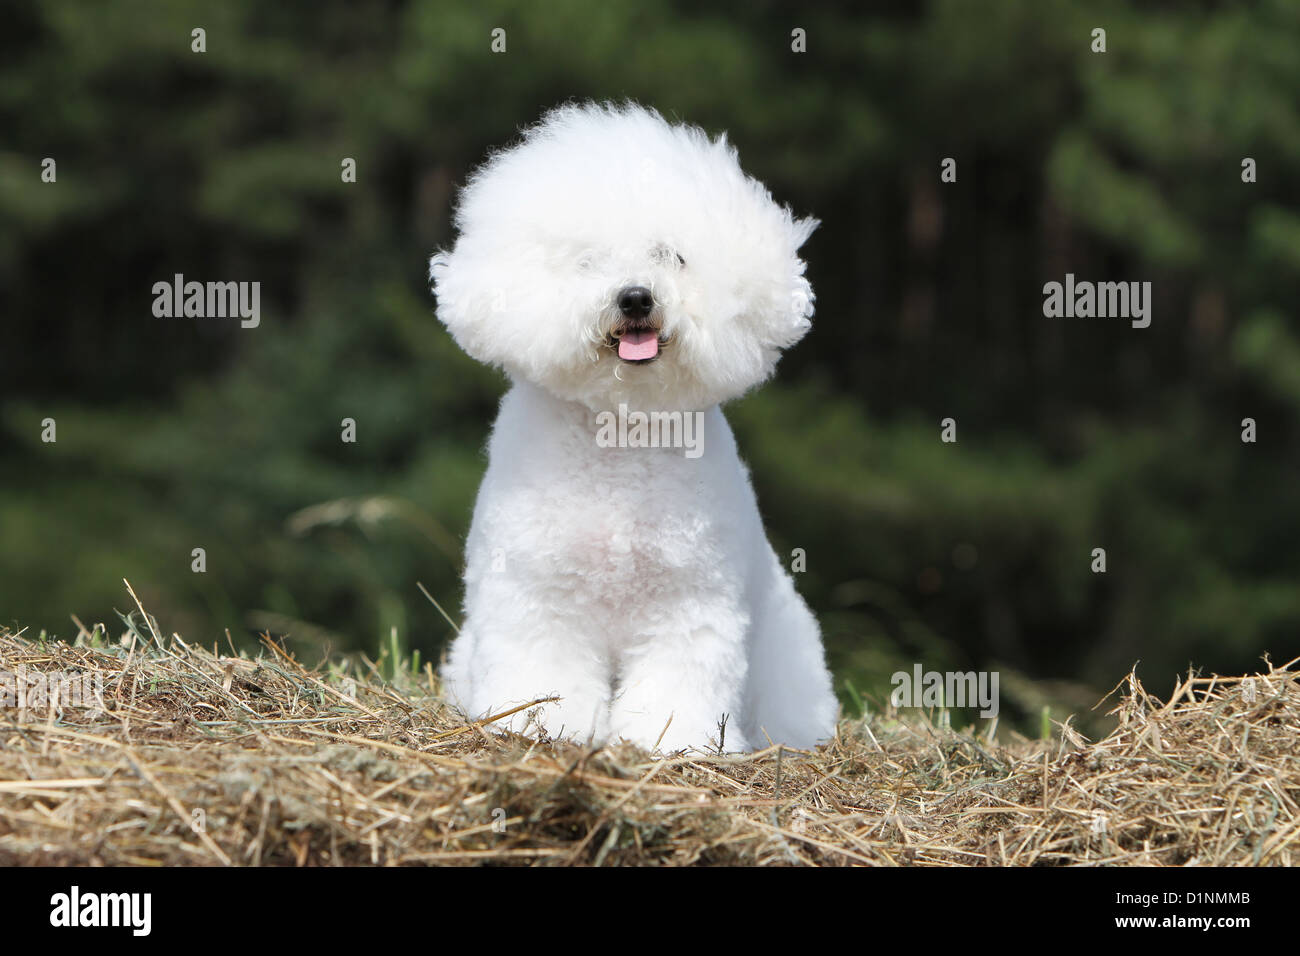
{"x":196,"y":757}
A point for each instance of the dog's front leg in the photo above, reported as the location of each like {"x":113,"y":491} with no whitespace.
{"x":683,"y":681}
{"x":505,"y":658}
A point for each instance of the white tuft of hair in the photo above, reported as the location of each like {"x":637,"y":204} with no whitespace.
{"x":598,"y":197}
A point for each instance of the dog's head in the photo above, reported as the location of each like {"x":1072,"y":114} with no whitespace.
{"x":610,"y":256}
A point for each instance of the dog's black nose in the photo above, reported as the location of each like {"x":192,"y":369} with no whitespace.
{"x":635,"y":302}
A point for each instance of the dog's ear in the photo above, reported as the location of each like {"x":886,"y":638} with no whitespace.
{"x":438,"y":265}
{"x":801,"y":304}
{"x":473,"y":304}
{"x":800,"y":290}
{"x":460,"y":309}
{"x":791,"y":320}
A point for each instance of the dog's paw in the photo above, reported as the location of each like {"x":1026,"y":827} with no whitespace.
{"x":556,"y":720}
{"x":671,"y":736}
{"x":703,"y":741}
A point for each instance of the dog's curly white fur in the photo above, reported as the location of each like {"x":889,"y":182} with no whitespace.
{"x":611,"y":258}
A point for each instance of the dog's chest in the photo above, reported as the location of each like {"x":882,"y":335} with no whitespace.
{"x":627,"y":518}
{"x":567,"y":511}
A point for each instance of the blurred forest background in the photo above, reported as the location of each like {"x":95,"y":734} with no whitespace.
{"x":1073,"y":433}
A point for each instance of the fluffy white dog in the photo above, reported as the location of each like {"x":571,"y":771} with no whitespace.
{"x":628,"y":277}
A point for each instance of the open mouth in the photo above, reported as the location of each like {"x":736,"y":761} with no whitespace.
{"x":635,"y":342}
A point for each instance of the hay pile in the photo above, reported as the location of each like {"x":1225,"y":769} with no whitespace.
{"x":202,"y":758}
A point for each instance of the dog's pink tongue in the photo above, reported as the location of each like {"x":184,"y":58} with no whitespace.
{"x":638,"y":344}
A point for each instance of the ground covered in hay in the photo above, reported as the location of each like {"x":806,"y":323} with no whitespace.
{"x":189,"y":755}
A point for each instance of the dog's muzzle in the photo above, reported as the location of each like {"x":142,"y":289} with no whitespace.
{"x":636,"y":335}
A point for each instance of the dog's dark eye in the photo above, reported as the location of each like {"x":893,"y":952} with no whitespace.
{"x":668,"y":256}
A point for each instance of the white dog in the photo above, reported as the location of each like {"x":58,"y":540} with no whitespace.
{"x":625,"y":271}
